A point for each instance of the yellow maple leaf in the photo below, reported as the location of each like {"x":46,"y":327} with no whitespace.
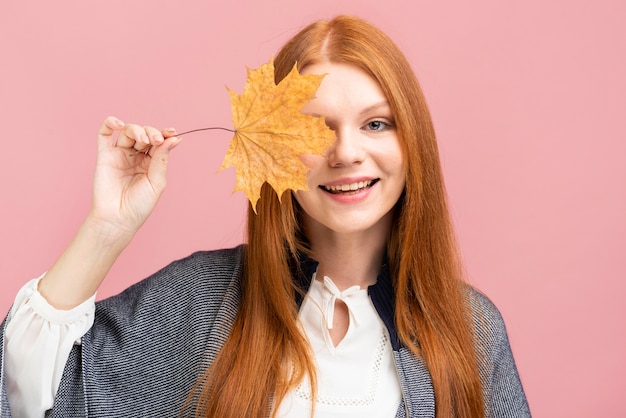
{"x":271,"y":132}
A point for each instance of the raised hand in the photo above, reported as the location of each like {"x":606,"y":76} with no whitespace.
{"x":130,"y":173}
{"x":128,"y":181}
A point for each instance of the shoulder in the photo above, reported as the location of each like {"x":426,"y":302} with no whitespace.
{"x":217,"y":264}
{"x":203,"y":279}
{"x":484,"y":310}
{"x":490,"y":334}
{"x":491,"y":340}
{"x":214,"y":270}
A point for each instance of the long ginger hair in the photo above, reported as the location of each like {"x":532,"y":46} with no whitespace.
{"x":266,"y":353}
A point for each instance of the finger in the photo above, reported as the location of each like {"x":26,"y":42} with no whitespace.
{"x":158,"y":163}
{"x":155,"y":136}
{"x":168,"y":133}
{"x":168,"y":144}
{"x":133,"y":136}
{"x":173,"y":142}
{"x":107,"y":129}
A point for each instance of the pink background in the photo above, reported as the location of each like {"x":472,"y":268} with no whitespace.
{"x":528,"y":100}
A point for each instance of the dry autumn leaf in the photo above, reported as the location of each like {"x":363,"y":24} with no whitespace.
{"x":271,"y":132}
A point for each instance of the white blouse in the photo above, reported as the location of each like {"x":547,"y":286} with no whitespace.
{"x":38,"y":341}
{"x":356,"y":378}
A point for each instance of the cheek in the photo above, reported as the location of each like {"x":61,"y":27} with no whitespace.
{"x":393,"y":161}
{"x":397,"y":169}
{"x":399,"y":160}
{"x":312,"y":161}
{"x":303,"y":198}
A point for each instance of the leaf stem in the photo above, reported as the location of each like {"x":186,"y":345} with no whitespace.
{"x":205,"y":129}
{"x":189,"y":132}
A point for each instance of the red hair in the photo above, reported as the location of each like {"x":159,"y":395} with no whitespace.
{"x":266,"y":354}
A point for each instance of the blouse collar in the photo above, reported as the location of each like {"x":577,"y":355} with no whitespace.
{"x":381,"y":293}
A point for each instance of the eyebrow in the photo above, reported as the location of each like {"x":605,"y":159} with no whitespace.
{"x":368,"y":109}
{"x":375,"y":106}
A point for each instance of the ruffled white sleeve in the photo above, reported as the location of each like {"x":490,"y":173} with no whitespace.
{"x":38,"y":341}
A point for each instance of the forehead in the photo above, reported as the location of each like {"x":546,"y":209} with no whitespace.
{"x":344,"y":87}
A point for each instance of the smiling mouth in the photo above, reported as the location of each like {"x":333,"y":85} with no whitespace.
{"x":349,"y":188}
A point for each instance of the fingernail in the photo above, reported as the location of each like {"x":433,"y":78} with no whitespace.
{"x":170,"y":130}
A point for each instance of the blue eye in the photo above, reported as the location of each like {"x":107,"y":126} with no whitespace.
{"x":377,"y":125}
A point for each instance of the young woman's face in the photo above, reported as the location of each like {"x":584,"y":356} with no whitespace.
{"x":356,"y":186}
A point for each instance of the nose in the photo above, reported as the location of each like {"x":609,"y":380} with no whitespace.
{"x":346,"y":150}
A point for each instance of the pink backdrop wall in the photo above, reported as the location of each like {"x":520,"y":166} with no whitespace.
{"x":528,"y":99}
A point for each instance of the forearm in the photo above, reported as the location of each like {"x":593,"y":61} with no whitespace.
{"x":81,"y":268}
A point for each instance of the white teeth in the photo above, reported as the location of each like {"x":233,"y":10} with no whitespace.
{"x":348,"y":187}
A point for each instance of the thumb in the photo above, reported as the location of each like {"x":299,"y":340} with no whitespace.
{"x":158,"y":164}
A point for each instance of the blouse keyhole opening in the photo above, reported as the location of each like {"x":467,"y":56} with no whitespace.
{"x":341,"y":322}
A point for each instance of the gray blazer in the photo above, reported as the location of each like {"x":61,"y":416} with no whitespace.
{"x":150,"y":344}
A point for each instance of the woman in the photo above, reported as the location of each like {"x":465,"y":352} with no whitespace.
{"x":346,"y":301}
